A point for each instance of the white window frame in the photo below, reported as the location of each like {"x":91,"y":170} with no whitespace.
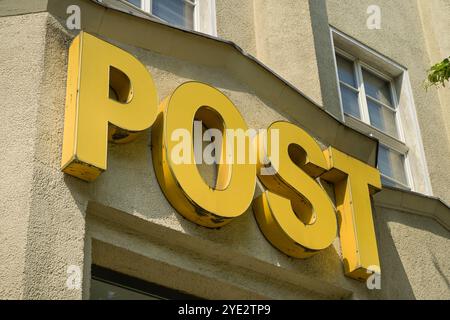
{"x":358,"y":67}
{"x":146,"y":6}
{"x":394,"y":144}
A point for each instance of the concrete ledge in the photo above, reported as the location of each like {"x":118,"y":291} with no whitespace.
{"x":415,"y":203}
{"x":18,"y":7}
{"x":176,"y":241}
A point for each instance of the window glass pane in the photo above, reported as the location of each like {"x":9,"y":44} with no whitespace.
{"x":377,"y":88}
{"x":137,"y":3}
{"x":346,"y":71}
{"x":391,"y":164}
{"x":382,"y":118}
{"x":176,"y":12}
{"x":350,"y":102}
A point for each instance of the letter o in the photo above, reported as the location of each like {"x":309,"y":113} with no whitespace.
{"x":182,"y":183}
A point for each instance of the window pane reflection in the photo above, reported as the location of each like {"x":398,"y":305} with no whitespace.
{"x":382,"y":118}
{"x":350,"y":101}
{"x":137,"y":3}
{"x":346,"y":71}
{"x":391,"y":164}
{"x":176,"y":12}
{"x":377,"y":88}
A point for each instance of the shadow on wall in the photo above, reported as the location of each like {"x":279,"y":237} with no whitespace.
{"x":414,"y":256}
{"x":176,"y":71}
{"x":394,"y":280}
{"x":325,"y":61}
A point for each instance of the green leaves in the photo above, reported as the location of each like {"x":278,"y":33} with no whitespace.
{"x":439,"y":74}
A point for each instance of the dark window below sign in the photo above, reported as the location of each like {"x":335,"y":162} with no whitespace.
{"x":107,"y":284}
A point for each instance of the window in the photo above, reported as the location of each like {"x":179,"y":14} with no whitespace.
{"x":181,"y":13}
{"x":377,"y":99}
{"x":392,"y":167}
{"x":369,"y":96}
{"x":111,"y":285}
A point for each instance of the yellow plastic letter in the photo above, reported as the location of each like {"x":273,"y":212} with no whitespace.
{"x":181,"y":182}
{"x":354,"y":181}
{"x":110,"y":96}
{"x":295,"y":213}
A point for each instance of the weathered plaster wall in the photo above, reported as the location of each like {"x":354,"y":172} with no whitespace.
{"x":21,"y":68}
{"x":401,"y":38}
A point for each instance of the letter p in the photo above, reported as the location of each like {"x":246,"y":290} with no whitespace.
{"x":110,"y":96}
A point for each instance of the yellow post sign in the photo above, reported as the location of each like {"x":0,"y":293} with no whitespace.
{"x":111,"y":97}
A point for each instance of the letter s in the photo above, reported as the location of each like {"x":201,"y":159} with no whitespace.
{"x":295,"y":214}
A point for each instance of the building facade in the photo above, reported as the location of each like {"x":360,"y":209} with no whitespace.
{"x":348,"y":73}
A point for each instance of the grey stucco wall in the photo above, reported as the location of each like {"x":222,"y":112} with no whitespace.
{"x":415,"y":261}
{"x":236,"y":22}
{"x":44,"y":216}
{"x":22,"y":65}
